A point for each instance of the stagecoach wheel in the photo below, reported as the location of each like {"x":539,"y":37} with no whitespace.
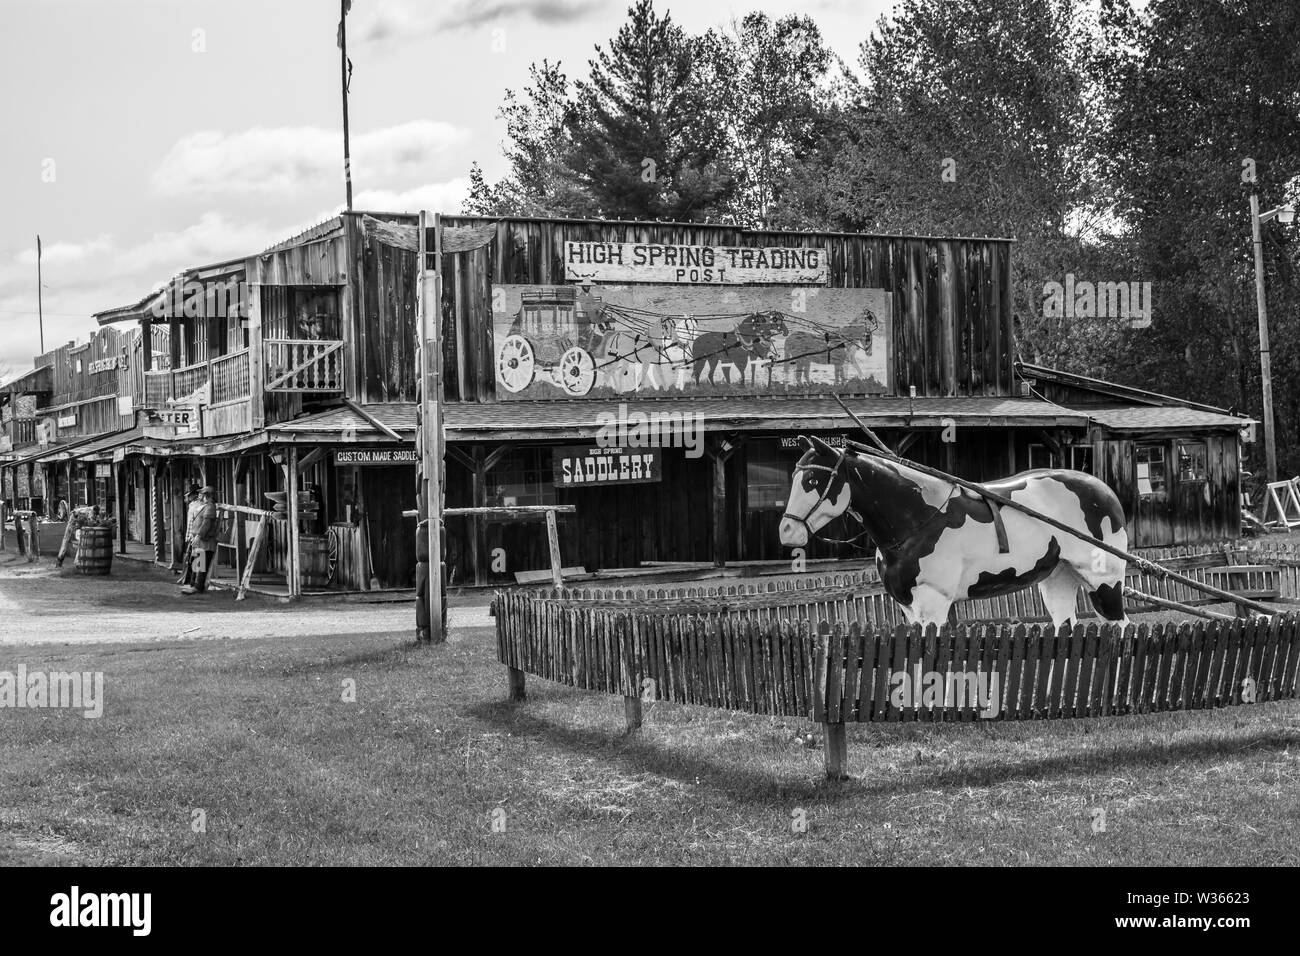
{"x":515,"y":363}
{"x":331,"y":571}
{"x":577,"y":371}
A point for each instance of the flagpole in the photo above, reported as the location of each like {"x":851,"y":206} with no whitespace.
{"x":40,"y":305}
{"x":343,"y":67}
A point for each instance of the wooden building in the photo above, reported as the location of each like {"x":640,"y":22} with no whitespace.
{"x":654,"y":375}
{"x":1175,"y":464}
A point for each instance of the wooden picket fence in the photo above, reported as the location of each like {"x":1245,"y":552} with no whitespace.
{"x":828,"y":649}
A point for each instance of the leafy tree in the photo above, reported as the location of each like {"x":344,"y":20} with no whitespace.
{"x":643,"y":141}
{"x":977,"y":119}
{"x":1200,"y":87}
{"x":537,"y":129}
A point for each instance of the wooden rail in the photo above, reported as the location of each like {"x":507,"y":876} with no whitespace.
{"x":304,"y":365}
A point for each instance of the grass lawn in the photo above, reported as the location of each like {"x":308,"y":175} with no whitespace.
{"x":255,"y":734}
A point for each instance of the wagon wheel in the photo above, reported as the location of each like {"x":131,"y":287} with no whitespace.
{"x":515,"y":363}
{"x":577,"y":371}
{"x":331,"y":570}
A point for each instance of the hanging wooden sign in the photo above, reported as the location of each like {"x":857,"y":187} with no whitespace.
{"x":583,"y":466}
{"x":375,"y":456}
{"x":710,"y":265}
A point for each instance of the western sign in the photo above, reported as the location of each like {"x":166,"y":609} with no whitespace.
{"x":710,"y":265}
{"x":375,"y":456}
{"x":581,"y":466}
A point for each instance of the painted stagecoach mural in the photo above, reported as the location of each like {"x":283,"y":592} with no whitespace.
{"x":592,"y":340}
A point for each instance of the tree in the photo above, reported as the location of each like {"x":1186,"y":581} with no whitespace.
{"x":537,"y":129}
{"x":975,"y":119}
{"x":644,"y":137}
{"x":778,"y":77}
{"x":1203,"y":95}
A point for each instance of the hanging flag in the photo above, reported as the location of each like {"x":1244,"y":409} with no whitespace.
{"x":347,"y":6}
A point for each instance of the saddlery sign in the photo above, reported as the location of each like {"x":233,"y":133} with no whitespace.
{"x":583,"y":466}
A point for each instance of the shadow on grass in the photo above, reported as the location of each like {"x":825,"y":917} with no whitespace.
{"x":636,"y":753}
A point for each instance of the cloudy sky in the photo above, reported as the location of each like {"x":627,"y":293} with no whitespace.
{"x":145,"y":136}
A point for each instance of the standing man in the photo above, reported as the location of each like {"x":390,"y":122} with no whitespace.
{"x":203,"y":540}
{"x":79,"y":518}
{"x":192,"y":508}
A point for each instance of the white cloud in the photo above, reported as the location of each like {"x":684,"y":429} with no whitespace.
{"x":435,"y":197}
{"x":287,"y":161}
{"x":399,"y":20}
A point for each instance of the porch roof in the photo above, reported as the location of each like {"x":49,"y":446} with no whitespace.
{"x":97,"y":449}
{"x":40,"y":453}
{"x":754,"y":413}
{"x":583,"y":419}
{"x":1132,"y":418}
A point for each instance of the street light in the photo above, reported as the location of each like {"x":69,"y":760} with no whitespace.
{"x":1283,"y":214}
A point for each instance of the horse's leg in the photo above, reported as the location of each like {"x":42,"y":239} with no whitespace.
{"x":1102,"y":576}
{"x":1060,"y":590}
{"x":929,"y":606}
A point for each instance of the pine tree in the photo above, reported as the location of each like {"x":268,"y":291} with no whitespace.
{"x":643,"y":142}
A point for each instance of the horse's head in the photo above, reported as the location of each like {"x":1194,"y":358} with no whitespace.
{"x":819,"y":493}
{"x":770,"y":324}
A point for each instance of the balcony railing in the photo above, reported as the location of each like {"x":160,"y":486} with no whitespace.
{"x":159,"y":387}
{"x":304,"y":365}
{"x":230,"y":379}
{"x":21,"y":431}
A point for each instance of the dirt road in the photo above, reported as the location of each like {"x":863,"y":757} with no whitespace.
{"x":42,"y":604}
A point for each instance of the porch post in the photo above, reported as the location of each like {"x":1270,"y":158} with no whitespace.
{"x":119,"y":506}
{"x":292,"y":570}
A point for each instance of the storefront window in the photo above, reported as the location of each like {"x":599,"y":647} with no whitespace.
{"x":523,"y":477}
{"x":1191,"y":461}
{"x":1151,"y":469}
{"x":767,"y":476}
{"x":1039,"y":456}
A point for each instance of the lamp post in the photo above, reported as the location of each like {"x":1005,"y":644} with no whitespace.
{"x":1283,"y":214}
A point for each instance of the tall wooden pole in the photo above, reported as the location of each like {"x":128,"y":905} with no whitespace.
{"x":429,"y":314}
{"x":40,"y":302}
{"x":1265,"y":371}
{"x":343,"y":69}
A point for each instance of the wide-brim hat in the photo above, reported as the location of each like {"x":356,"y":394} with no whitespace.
{"x":194,"y":489}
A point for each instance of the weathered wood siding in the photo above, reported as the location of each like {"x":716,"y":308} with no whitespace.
{"x":384,"y":329}
{"x":1185,"y":516}
{"x":951,"y":298}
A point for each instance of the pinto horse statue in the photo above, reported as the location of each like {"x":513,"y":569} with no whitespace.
{"x":938,"y":543}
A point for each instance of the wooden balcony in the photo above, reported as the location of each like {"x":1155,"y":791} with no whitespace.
{"x":21,"y":431}
{"x":230,"y":377}
{"x":304,"y":365}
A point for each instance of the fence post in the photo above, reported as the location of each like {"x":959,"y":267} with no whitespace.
{"x":515,"y":679}
{"x":632,"y":712}
{"x":34,"y":538}
{"x":835,"y":748}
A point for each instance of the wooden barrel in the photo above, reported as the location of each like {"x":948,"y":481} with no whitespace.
{"x":95,"y":551}
{"x":314,"y":560}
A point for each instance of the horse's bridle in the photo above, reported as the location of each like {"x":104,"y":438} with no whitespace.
{"x":832,"y":470}
{"x":805,"y":465}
